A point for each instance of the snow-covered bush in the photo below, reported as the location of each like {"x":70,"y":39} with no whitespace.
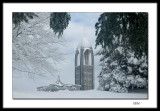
{"x":121,"y":72}
{"x":105,"y":81}
{"x":140,"y":82}
{"x":118,"y":88}
{"x":107,"y":87}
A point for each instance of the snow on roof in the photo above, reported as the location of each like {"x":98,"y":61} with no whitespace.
{"x":58,"y":82}
{"x":84,"y":44}
{"x":72,"y":85}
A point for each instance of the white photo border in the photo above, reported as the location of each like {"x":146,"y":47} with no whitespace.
{"x":8,"y":8}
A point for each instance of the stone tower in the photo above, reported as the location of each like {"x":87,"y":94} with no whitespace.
{"x":84,"y":65}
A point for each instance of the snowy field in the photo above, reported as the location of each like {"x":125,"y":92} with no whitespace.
{"x":95,"y":94}
{"x":24,"y":88}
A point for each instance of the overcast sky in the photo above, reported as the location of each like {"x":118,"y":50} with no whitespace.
{"x":80,"y":26}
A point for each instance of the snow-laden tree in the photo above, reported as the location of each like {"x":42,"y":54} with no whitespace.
{"x":121,"y":72}
{"x":35,"y":47}
{"x":124,"y":41}
{"x":18,"y":17}
{"x":132,"y":26}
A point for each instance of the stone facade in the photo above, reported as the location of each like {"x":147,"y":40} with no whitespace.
{"x":59,"y":86}
{"x":84,"y":71}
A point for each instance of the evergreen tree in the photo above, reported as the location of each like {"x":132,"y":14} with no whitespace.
{"x":121,"y":72}
{"x":133,"y":27}
{"x":59,"y":22}
{"x":124,"y":41}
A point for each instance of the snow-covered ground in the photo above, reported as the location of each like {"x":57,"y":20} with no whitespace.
{"x":25,"y":88}
{"x":79,"y":94}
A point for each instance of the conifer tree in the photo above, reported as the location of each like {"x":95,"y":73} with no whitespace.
{"x":124,"y":41}
{"x":59,"y":22}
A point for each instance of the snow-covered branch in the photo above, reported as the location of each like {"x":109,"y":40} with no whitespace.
{"x":35,"y":48}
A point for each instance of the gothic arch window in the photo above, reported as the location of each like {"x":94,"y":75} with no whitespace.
{"x":88,"y":57}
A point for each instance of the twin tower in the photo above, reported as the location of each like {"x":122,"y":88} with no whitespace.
{"x":84,"y":65}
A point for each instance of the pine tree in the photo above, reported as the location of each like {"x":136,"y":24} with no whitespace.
{"x":59,"y":22}
{"x":133,"y":27}
{"x":124,"y":59}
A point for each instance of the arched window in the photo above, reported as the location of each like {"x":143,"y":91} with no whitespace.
{"x":87,"y":57}
{"x":90,"y":59}
{"x":78,"y":60}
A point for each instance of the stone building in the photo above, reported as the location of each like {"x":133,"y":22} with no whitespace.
{"x":59,"y":86}
{"x":84,"y":65}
